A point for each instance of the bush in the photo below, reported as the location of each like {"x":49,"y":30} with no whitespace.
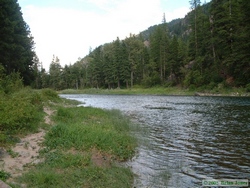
{"x":20,"y":111}
{"x":248,"y":87}
{"x":11,"y":83}
{"x":4,"y":175}
{"x":49,"y":94}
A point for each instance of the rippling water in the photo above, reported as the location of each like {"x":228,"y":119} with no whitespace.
{"x":184,"y":140}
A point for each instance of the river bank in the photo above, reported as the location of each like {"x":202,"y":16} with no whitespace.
{"x":176,"y":91}
{"x":79,"y":146}
{"x":183,"y":139}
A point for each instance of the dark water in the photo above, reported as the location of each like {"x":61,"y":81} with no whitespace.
{"x":183,"y":140}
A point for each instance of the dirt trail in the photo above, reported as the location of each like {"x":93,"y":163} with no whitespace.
{"x":26,"y":152}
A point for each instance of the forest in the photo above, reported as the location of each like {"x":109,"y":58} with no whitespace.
{"x":206,"y":49}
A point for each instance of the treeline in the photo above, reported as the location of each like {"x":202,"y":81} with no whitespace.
{"x":209,"y":47}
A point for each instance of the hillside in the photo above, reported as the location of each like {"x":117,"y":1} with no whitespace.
{"x":178,"y":27}
{"x":206,"y":50}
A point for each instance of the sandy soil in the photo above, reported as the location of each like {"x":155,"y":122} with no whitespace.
{"x":26,"y":152}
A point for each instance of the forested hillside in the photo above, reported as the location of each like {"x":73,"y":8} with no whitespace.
{"x":206,"y":49}
{"x":209,"y":48}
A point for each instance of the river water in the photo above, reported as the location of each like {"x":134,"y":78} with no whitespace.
{"x":183,"y":139}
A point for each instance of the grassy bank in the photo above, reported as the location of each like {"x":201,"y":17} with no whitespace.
{"x":218,"y":91}
{"x":83,"y":148}
{"x":133,"y":91}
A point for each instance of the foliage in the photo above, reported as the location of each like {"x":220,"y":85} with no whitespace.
{"x":20,"y":111}
{"x":4,"y":175}
{"x":49,"y":94}
{"x":78,"y":136}
{"x":91,"y":176}
{"x":209,"y":45}
{"x":21,"y":108}
{"x":16,"y":43}
{"x":106,"y":131}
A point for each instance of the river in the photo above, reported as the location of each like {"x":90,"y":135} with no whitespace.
{"x":184,"y":139}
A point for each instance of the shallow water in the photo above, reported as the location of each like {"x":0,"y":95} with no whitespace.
{"x":183,"y":140}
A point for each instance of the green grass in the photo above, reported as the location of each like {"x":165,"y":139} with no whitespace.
{"x":4,"y":175}
{"x":22,"y":113}
{"x":95,"y":177}
{"x":133,"y":91}
{"x":79,"y":134}
{"x":85,"y":128}
{"x":218,"y":90}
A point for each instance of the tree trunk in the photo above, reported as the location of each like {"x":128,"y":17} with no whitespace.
{"x":132,"y":78}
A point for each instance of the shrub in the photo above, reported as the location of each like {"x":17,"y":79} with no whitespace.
{"x":20,"y":111}
{"x":49,"y":94}
{"x":4,"y":175}
{"x":248,"y":87}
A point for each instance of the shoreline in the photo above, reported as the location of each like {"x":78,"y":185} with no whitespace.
{"x":89,"y":141}
{"x":173,"y":91}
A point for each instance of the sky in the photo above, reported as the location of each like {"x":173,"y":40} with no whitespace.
{"x":69,"y":28}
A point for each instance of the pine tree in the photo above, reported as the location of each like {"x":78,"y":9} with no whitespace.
{"x":194,"y":5}
{"x":16,"y":43}
{"x":55,"y":73}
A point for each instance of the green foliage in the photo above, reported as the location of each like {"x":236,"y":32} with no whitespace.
{"x":91,"y":177}
{"x":211,"y":44}
{"x":12,"y":153}
{"x":64,"y":160}
{"x":4,"y":175}
{"x":16,"y":43}
{"x":248,"y":87}
{"x":11,"y":83}
{"x":50,"y":94}
{"x":106,"y":131}
{"x":20,"y":111}
{"x":79,"y":135}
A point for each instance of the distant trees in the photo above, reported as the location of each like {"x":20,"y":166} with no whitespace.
{"x":209,"y":47}
{"x":16,"y":42}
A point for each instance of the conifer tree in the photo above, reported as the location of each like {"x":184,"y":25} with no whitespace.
{"x":16,"y":43}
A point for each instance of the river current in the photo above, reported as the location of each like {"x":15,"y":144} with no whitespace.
{"x":183,"y":139}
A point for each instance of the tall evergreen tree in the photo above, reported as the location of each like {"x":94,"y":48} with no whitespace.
{"x":16,"y":43}
{"x":55,"y":70}
{"x":194,"y":5}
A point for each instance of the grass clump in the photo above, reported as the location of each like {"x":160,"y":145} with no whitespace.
{"x":85,"y":128}
{"x":4,"y":175}
{"x":79,"y":177}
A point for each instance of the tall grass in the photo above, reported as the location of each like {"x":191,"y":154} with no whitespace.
{"x":91,"y":177}
{"x":85,"y":128}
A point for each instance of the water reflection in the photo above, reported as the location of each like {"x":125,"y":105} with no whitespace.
{"x":185,"y":139}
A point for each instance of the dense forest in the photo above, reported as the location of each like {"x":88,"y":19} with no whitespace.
{"x":206,"y":49}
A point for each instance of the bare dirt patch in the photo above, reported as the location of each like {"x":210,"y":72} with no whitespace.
{"x":25,"y":153}
{"x":100,"y":159}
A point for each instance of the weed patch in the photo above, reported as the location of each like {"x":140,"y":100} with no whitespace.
{"x":4,"y":175}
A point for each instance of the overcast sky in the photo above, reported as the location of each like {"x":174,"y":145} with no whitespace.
{"x":68,"y":28}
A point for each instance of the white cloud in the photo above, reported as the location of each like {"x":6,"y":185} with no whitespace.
{"x":176,"y":13}
{"x":69,"y":33}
